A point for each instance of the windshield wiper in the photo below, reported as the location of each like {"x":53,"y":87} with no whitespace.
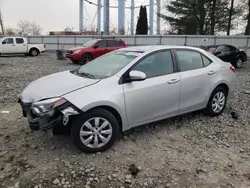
{"x":84,"y":74}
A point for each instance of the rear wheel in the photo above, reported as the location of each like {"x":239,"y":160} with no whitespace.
{"x":217,"y":102}
{"x":34,"y":126}
{"x":86,"y":58}
{"x":239,"y":63}
{"x":95,"y":131}
{"x":34,"y":52}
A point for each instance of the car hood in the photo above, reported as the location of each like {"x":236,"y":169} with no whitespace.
{"x":77,"y":48}
{"x":54,"y":85}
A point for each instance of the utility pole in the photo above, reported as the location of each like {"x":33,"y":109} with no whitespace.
{"x":1,"y":22}
{"x":230,"y":17}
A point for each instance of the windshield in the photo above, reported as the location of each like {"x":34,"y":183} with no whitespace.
{"x":89,"y":43}
{"x":108,"y":64}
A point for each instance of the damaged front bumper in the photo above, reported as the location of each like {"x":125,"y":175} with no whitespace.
{"x":48,"y":120}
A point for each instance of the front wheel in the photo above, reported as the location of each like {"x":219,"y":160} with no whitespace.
{"x":95,"y":131}
{"x":86,"y":58}
{"x":217,"y":102}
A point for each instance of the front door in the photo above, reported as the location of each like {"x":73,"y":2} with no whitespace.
{"x":21,"y":46}
{"x":157,"y":97}
{"x":198,"y":75}
{"x":101,"y":48}
{"x":8,"y":46}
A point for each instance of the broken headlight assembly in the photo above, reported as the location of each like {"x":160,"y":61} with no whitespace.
{"x":47,"y":106}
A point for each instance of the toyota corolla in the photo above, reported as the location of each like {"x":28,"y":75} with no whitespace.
{"x":127,"y":88}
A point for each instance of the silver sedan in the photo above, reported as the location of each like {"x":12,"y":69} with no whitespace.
{"x":127,"y":88}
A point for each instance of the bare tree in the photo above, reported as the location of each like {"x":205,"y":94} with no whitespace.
{"x":29,"y":28}
{"x":11,"y":31}
{"x":113,"y":31}
{"x":36,"y":29}
{"x":69,"y":30}
{"x":24,"y":27}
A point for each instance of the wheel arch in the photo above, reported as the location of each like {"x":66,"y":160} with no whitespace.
{"x":113,"y":111}
{"x":223,"y":85}
{"x":34,"y":48}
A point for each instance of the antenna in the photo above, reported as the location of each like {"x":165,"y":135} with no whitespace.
{"x":1,"y":22}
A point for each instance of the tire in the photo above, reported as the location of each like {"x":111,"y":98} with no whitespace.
{"x":75,"y":62}
{"x":86,"y":121}
{"x":238,"y":63}
{"x":34,"y":126}
{"x":34,"y":52}
{"x":85,"y":58}
{"x":216,"y":108}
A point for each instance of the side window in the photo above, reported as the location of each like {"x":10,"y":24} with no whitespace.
{"x":19,"y":40}
{"x":189,"y":60}
{"x":112,"y":43}
{"x":231,"y":48}
{"x":223,"y":49}
{"x":8,"y":41}
{"x":102,"y":44}
{"x":206,"y":61}
{"x":157,"y":64}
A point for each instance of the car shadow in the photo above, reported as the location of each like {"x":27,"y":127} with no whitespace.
{"x":4,"y":56}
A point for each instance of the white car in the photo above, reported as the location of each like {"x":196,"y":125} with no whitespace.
{"x":127,"y":88}
{"x":19,"y":45}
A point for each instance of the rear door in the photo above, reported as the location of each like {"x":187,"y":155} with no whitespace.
{"x":113,"y":45}
{"x":232,"y":53}
{"x":8,"y":46}
{"x":198,"y":75}
{"x":21,"y":45}
{"x":223,"y":52}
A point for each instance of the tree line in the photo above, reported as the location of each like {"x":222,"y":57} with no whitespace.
{"x":24,"y":28}
{"x":201,"y":17}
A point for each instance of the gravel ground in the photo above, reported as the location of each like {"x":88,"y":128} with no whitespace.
{"x":191,"y":151}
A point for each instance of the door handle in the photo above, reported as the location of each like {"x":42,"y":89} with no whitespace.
{"x":24,"y":45}
{"x":174,"y":81}
{"x":13,"y":45}
{"x":211,"y":72}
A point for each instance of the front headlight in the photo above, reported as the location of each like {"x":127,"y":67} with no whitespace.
{"x":77,"y":52}
{"x":47,"y":105}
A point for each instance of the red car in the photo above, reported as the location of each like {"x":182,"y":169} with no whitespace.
{"x":93,"y":49}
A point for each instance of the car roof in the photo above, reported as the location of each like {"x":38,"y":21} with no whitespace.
{"x":217,"y":45}
{"x":108,"y":39}
{"x":156,"y":47}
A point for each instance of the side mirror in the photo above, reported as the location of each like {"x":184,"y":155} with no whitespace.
{"x":137,"y":75}
{"x":4,"y":42}
{"x":96,"y":46}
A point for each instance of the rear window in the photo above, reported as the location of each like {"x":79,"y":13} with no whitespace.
{"x":113,"y":43}
{"x":19,"y":40}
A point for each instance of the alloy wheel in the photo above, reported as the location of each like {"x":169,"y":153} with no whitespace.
{"x":218,"y":102}
{"x":239,"y":63}
{"x":96,"y":132}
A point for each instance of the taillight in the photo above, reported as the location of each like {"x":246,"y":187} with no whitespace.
{"x":44,"y":45}
{"x":232,"y":68}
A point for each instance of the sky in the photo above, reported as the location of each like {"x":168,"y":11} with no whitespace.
{"x":56,"y":15}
